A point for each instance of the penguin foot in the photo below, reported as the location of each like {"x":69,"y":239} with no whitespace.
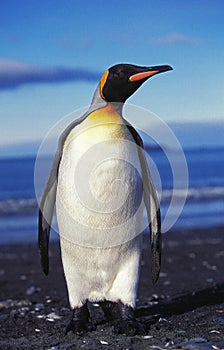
{"x":123,"y":318}
{"x":110,"y":310}
{"x":129,"y":327}
{"x":80,"y":322}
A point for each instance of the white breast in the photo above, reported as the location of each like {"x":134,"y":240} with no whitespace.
{"x":99,"y":195}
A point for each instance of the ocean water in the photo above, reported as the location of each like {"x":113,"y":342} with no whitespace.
{"x":204,"y":206}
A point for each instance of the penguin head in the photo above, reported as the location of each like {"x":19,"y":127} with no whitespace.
{"x":122,"y":80}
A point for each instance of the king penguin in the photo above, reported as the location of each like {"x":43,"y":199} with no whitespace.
{"x":100,"y":183}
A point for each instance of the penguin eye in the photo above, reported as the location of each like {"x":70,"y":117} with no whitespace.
{"x":119,"y":75}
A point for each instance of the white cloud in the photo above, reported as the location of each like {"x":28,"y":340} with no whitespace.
{"x":175,"y":38}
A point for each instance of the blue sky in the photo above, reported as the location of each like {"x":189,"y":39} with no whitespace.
{"x":53,"y":53}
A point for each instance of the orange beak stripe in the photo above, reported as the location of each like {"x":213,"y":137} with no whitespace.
{"x":143,"y":75}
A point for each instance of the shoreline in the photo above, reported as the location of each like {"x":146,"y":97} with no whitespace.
{"x":184,"y":310}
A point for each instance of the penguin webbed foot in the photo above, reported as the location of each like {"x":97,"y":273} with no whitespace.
{"x":129,"y":327}
{"x":80,"y":322}
{"x":123,"y":319}
{"x":80,"y":328}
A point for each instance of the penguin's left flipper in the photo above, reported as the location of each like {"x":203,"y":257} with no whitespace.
{"x":152,"y":207}
{"x":49,"y":197}
{"x":46,"y":213}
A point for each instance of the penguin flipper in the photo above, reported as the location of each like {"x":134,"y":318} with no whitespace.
{"x":47,"y":203}
{"x":152,"y":208}
{"x":46,"y":213}
{"x":154,"y":218}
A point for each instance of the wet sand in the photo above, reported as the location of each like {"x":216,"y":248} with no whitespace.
{"x":184,"y":310}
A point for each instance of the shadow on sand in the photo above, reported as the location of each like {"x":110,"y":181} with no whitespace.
{"x":184,"y":303}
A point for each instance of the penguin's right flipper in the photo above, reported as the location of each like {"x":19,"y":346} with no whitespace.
{"x":154,"y":218}
{"x":152,"y":207}
{"x":46,"y":213}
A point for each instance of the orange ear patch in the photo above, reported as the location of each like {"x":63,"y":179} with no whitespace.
{"x":102,"y":82}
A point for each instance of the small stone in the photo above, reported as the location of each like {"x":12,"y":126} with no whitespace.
{"x":22,"y":303}
{"x":147,"y":336}
{"x":39,"y":307}
{"x":208,"y":266}
{"x":41,"y":316}
{"x":220,"y":311}
{"x":210,"y":280}
{"x":24,"y":309}
{"x":104,"y":342}
{"x":166,"y":283}
{"x":23,"y":277}
{"x":37,"y":330}
{"x":198,"y":340}
{"x":4,"y":304}
{"x":31,"y":290}
{"x":169,"y":343}
{"x":215,"y":331}
{"x":162,"y":274}
{"x":53,"y":316}
{"x":220,"y":254}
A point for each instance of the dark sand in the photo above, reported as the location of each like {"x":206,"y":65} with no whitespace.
{"x":185,"y":310}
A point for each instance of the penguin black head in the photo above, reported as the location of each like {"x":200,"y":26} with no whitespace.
{"x":122,"y":80}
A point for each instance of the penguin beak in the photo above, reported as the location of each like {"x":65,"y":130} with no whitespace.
{"x":146,"y":73}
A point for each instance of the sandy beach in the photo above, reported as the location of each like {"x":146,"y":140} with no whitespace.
{"x":184,"y":310}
